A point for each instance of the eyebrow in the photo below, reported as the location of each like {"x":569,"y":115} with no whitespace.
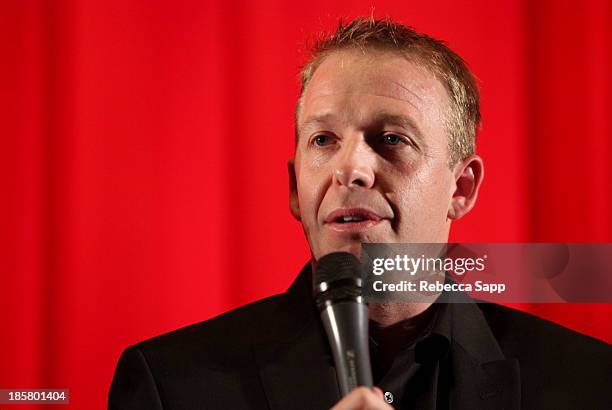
{"x":380,"y":117}
{"x":318,"y":120}
{"x":396,"y":119}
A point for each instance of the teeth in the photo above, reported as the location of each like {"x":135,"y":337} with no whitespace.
{"x":352,"y":219}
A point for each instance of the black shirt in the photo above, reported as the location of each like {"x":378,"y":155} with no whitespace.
{"x":418,"y":376}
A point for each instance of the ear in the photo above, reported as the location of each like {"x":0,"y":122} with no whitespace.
{"x":294,"y":204}
{"x":468,"y":175}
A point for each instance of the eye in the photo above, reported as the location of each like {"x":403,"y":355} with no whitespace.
{"x":393,"y":139}
{"x":321,"y":140}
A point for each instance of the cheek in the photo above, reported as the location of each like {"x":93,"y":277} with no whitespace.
{"x":424,"y":197}
{"x":309,"y":193}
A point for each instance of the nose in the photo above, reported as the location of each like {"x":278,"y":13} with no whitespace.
{"x":354,"y":165}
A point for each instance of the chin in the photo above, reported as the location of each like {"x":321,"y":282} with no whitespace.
{"x":352,"y":247}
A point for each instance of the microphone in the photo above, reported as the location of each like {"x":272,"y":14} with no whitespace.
{"x":337,"y":290}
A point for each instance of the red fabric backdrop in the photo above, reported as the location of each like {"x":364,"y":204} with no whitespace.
{"x":144,"y":149}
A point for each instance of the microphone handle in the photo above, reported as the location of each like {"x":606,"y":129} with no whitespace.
{"x":346,"y":325}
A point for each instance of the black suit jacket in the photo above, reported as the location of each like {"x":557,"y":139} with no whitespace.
{"x":273,"y":354}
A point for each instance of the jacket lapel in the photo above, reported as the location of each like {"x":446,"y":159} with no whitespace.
{"x":297,"y":371}
{"x":483,"y":377}
{"x":298,"y":375}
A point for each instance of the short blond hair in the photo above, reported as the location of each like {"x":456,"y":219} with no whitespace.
{"x":450,"y":69}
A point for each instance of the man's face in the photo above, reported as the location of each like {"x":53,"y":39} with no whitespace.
{"x":372,"y":159}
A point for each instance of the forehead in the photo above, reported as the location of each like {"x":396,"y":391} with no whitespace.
{"x":355,"y":83}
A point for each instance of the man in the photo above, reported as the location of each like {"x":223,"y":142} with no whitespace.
{"x":385,"y":152}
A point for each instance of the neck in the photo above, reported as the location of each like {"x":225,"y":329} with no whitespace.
{"x":384,"y":315}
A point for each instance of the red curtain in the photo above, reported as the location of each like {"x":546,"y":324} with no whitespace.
{"x":144,"y":149}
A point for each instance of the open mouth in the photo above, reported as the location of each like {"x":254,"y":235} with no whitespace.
{"x":352,"y":219}
{"x":348,"y":219}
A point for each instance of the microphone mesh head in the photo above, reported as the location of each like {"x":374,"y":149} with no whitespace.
{"x":337,"y":266}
